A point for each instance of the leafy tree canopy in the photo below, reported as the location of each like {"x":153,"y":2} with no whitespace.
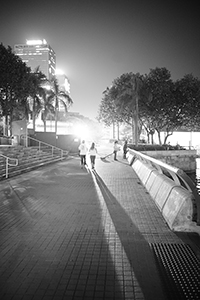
{"x":16,"y":85}
{"x":164,"y":105}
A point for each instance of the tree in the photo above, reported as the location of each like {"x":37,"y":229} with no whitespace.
{"x":37,"y":93}
{"x":14,"y":85}
{"x":172,"y":105}
{"x":59,"y":97}
{"x":153,"y":101}
{"x":126,"y":90}
{"x":121,"y":102}
{"x":48,"y":107}
{"x":107,"y":111}
{"x":187,"y":91}
{"x":160,"y":109}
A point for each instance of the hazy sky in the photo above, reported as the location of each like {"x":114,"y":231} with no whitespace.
{"x":97,"y":41}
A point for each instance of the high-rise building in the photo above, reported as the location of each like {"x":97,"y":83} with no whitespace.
{"x":63,"y":82}
{"x":64,"y":85}
{"x":37,"y":53}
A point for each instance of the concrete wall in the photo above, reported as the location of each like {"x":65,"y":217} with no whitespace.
{"x":46,"y":137}
{"x":182,"y":159}
{"x":67,"y":142}
{"x":19,"y":128}
{"x":174,"y":201}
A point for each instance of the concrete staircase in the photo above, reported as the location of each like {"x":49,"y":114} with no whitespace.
{"x":27,"y":158}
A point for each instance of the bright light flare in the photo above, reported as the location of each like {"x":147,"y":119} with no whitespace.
{"x":59,"y":72}
{"x":36,"y":42}
{"x":82,"y":131}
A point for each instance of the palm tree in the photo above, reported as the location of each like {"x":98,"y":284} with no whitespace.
{"x":137,"y":85}
{"x":59,"y":96}
{"x":48,"y":107}
{"x":38,"y":80}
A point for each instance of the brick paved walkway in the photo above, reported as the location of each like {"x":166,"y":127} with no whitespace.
{"x":68,"y":233}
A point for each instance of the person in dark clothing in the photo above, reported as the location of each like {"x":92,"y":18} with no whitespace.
{"x":125,"y":148}
{"x":116,"y":148}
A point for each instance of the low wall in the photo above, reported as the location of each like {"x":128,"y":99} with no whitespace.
{"x":67,"y":142}
{"x":174,"y":201}
{"x":183,"y":159}
{"x":5,"y":141}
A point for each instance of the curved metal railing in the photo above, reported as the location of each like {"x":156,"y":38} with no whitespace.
{"x":9,"y":163}
{"x":176,"y":174}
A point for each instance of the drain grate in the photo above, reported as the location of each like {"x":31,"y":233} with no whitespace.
{"x":179,"y":269}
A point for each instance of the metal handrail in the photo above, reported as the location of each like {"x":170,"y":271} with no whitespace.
{"x":43,"y":143}
{"x":9,"y":164}
{"x":176,"y":174}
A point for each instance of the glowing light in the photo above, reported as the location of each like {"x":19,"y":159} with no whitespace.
{"x":59,"y":72}
{"x":67,"y":85}
{"x":36,"y":42}
{"x":46,"y":86}
{"x":81,"y":131}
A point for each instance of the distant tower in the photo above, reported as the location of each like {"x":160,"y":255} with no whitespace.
{"x":63,"y":81}
{"x":64,"y":85}
{"x":37,"y":53}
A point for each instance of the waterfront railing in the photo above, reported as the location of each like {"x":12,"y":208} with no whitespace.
{"x":176,"y":174}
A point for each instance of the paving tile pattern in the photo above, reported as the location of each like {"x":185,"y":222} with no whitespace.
{"x":68,"y":233}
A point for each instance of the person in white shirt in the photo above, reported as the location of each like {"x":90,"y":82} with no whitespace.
{"x":83,"y":151}
{"x":92,"y":153}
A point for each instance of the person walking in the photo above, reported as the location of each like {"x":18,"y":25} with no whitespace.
{"x":92,"y":153}
{"x":125,"y":148}
{"x":116,"y":148}
{"x":83,"y":151}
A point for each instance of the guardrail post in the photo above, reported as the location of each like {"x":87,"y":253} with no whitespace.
{"x":7,"y":167}
{"x":26,"y":141}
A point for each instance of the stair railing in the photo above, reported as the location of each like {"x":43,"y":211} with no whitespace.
{"x":42,"y":146}
{"x":9,"y":163}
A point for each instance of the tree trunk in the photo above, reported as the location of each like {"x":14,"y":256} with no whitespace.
{"x":148,"y":137}
{"x":133,"y":127}
{"x":166,"y":137}
{"x":10,"y":121}
{"x":159,"y":138}
{"x":45,"y":127}
{"x":56,"y":119}
{"x":136,"y":122}
{"x":6,"y":125}
{"x":33,"y":115}
{"x":118,"y":131}
{"x":113,"y":130}
{"x":152,"y":141}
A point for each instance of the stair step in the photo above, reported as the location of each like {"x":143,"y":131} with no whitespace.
{"x":28,"y":159}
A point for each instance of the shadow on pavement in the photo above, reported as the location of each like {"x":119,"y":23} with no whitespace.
{"x":52,"y":238}
{"x":104,"y":160}
{"x":137,"y":249}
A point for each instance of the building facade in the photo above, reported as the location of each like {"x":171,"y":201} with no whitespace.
{"x":63,"y":82}
{"x":37,"y":53}
{"x":64,"y":86}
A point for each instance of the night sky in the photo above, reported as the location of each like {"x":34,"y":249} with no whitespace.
{"x":97,"y":41}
